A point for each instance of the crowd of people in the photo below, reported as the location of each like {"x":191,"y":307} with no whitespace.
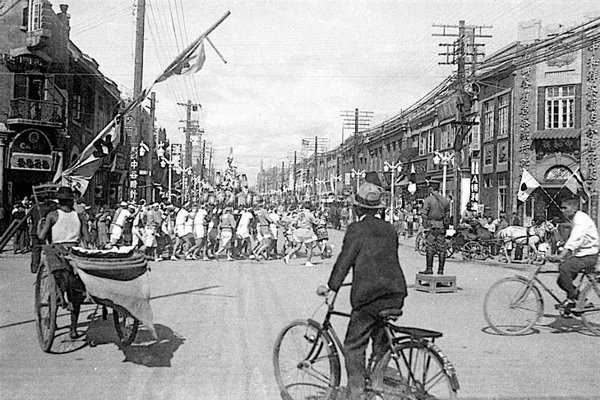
{"x":164,"y":231}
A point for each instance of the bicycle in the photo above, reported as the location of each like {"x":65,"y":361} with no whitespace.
{"x":306,"y":360}
{"x":513,"y":305}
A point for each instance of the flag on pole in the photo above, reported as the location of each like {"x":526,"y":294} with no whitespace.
{"x":527,"y":186}
{"x":190,"y":61}
{"x":77,"y":176}
{"x":575,"y":182}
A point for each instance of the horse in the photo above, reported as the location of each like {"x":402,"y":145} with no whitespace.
{"x":530,"y":236}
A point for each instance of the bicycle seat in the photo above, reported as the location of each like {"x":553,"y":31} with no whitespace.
{"x":390,"y":313}
{"x":417,"y":332}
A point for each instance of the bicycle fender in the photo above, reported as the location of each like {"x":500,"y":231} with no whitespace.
{"x":448,"y":366}
{"x":326,"y":334}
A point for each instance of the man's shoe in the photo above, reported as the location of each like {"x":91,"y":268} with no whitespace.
{"x":286,"y":259}
{"x":309,"y":264}
{"x":427,"y":271}
{"x":440,"y":271}
{"x":566,"y":309}
{"x":205,"y":259}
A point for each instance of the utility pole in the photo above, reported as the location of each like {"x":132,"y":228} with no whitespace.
{"x":319,"y":144}
{"x":150,"y":196}
{"x":137,"y":90}
{"x":295,"y":161}
{"x":456,"y":54}
{"x":189,"y":127}
{"x":358,"y":121}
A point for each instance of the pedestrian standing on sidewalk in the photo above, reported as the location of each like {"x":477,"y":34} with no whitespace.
{"x":370,"y":249}
{"x":435,"y":214}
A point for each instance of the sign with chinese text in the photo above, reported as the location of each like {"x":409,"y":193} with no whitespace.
{"x":474,"y":189}
{"x":31,"y":161}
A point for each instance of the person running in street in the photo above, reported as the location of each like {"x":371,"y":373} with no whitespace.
{"x":370,"y":249}
{"x":303,"y":234}
{"x":580,"y":252}
{"x":227,"y":227}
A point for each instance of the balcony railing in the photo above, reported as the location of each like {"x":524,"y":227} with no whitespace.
{"x":36,"y":112}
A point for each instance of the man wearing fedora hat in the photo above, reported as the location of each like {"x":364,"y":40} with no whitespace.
{"x":435,"y":214}
{"x":370,"y":248}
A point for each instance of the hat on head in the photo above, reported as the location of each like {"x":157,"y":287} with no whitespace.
{"x":368,"y":196}
{"x":433,"y":183}
{"x":65,"y":193}
{"x":123,"y":204}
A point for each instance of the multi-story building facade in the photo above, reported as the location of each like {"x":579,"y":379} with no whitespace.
{"x":53,"y":101}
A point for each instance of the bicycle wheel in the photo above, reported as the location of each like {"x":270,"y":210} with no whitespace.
{"x":306,"y":362}
{"x":126,"y":326}
{"x":46,"y":305}
{"x":589,"y":302}
{"x":414,"y":370}
{"x":420,"y":244}
{"x":512,"y":305}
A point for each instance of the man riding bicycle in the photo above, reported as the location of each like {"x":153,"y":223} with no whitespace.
{"x":580,"y":252}
{"x":370,"y":248}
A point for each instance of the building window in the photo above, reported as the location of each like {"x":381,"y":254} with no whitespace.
{"x":503,"y":125}
{"x":488,"y":154}
{"x":560,"y":107}
{"x":488,"y":120}
{"x":36,"y":17}
{"x":487,"y":180}
{"x":443,"y":138}
{"x":502,"y":194}
{"x":422,"y":144}
{"x":502,"y":151}
{"x":430,"y":142}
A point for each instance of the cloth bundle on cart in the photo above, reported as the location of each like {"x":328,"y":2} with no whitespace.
{"x":120,"y":276}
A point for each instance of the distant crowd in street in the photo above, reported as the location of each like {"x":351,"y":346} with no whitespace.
{"x":164,"y":231}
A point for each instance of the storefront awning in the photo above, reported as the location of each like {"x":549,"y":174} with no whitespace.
{"x":556,"y":134}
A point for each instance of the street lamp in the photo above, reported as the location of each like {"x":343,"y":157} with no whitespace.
{"x":334,"y":179}
{"x":357,"y":174}
{"x":444,"y":159}
{"x":393,"y":168}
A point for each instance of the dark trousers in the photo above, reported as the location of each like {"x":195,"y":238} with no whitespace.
{"x":568,"y":270}
{"x":36,"y":253}
{"x":364,"y":325}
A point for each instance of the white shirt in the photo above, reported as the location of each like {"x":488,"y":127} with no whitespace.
{"x":199,"y":223}
{"x":180,"y":219}
{"x":244,"y":223}
{"x":583,"y":240}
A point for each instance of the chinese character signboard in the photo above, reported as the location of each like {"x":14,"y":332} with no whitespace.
{"x":474,"y":189}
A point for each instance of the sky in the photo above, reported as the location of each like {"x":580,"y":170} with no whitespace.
{"x":293,"y":66}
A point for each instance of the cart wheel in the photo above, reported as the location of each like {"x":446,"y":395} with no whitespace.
{"x":46,"y":306}
{"x":126,"y":326}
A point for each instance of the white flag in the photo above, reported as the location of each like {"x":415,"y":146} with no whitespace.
{"x":527,"y":186}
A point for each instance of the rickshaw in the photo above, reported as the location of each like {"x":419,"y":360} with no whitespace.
{"x":50,"y":297}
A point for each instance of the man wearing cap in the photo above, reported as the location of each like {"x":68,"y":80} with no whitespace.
{"x":370,"y":248}
{"x":435,"y":214}
{"x":65,"y":228}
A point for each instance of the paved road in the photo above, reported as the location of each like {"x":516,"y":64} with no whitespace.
{"x":217,"y":323}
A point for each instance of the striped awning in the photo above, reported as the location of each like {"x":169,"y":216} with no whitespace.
{"x":556,"y":134}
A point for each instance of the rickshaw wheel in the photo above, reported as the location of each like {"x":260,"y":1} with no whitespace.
{"x":126,"y":326}
{"x":46,"y":306}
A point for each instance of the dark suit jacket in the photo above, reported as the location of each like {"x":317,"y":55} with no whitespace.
{"x":371,"y":249}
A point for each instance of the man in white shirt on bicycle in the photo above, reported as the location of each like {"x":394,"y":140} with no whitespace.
{"x":580,"y":252}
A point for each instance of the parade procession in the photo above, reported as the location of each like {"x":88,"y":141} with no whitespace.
{"x":299,"y":200}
